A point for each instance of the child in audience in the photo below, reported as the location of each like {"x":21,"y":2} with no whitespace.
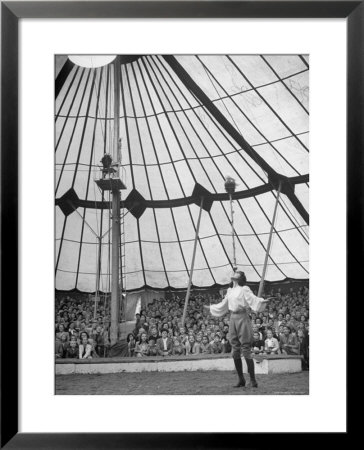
{"x":72,"y":351}
{"x":178,"y":348}
{"x":216,"y":346}
{"x":271,"y":344}
{"x":257,"y":344}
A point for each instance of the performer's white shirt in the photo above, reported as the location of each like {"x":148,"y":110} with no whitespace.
{"x":235,"y":299}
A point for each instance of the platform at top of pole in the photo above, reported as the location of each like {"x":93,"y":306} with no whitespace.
{"x":110,"y":184}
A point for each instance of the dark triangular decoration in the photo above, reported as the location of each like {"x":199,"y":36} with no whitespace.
{"x":198,"y":192}
{"x":135,"y":203}
{"x":68,"y":202}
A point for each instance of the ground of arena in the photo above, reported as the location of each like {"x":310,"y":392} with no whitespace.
{"x":180,"y":383}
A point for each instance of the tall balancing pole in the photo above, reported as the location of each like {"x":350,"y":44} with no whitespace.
{"x":230,"y":186}
{"x":261,"y":284}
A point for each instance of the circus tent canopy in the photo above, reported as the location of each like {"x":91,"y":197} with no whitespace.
{"x":185,"y":121}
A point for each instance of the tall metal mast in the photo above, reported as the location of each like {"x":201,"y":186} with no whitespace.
{"x":110,"y":181}
{"x":115,"y":292}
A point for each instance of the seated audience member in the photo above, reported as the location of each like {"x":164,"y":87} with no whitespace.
{"x":275,"y":335}
{"x":72,"y":330}
{"x":192,"y":348}
{"x":256,"y":330}
{"x":183,"y":336}
{"x":94,"y":353}
{"x":142,"y":346}
{"x":303,"y":348}
{"x":58,"y":349}
{"x":164,"y":344}
{"x":64,"y":345}
{"x":226,"y":346}
{"x":278,"y":322}
{"x":85,"y":349}
{"x":289,"y":342}
{"x":81,"y":335}
{"x":154,"y":334}
{"x":178,"y":348}
{"x":257,"y":344}
{"x":153,"y":351}
{"x":271,"y":344}
{"x":205,"y":345}
{"x":130,"y":339}
{"x":61,"y":333}
{"x":99,"y":339}
{"x":215,"y":345}
{"x":72,"y":350}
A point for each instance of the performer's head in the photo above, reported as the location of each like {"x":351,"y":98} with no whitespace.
{"x":239,"y":278}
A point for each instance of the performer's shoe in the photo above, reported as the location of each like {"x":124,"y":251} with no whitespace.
{"x":241,"y":383}
{"x":250,"y":364}
{"x":239,"y":368}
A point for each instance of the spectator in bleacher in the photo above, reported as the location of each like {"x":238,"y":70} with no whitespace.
{"x":303,"y":348}
{"x":257,"y":344}
{"x":142,"y":346}
{"x":205,"y":345}
{"x":215,"y":345}
{"x":72,"y":350}
{"x":130,"y":339}
{"x":62,"y":333}
{"x":154,"y":333}
{"x":289,"y":342}
{"x":85,"y":348}
{"x":192,"y":347}
{"x":226,"y":346}
{"x":256,"y":330}
{"x":178,"y":348}
{"x":271,"y":346}
{"x":164,"y":344}
{"x":153,"y":351}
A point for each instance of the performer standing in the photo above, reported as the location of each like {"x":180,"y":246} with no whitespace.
{"x":236,"y":300}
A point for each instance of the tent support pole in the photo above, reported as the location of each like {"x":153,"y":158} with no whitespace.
{"x":115,"y":228}
{"x":261,"y":284}
{"x":97,"y":289}
{"x":192,"y":264}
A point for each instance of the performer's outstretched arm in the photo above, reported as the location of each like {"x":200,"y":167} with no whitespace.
{"x":255,"y":303}
{"x":220,"y":309}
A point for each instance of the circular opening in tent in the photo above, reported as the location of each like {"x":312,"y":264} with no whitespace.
{"x":92,"y":61}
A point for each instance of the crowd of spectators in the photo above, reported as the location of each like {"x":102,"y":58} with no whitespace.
{"x":282,"y":328}
{"x":80,"y":333}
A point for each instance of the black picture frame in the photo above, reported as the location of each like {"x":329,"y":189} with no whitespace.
{"x":11,"y":13}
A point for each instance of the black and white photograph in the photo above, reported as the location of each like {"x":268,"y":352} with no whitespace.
{"x":181,"y":224}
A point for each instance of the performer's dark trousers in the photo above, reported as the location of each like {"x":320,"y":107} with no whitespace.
{"x":240,"y":331}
